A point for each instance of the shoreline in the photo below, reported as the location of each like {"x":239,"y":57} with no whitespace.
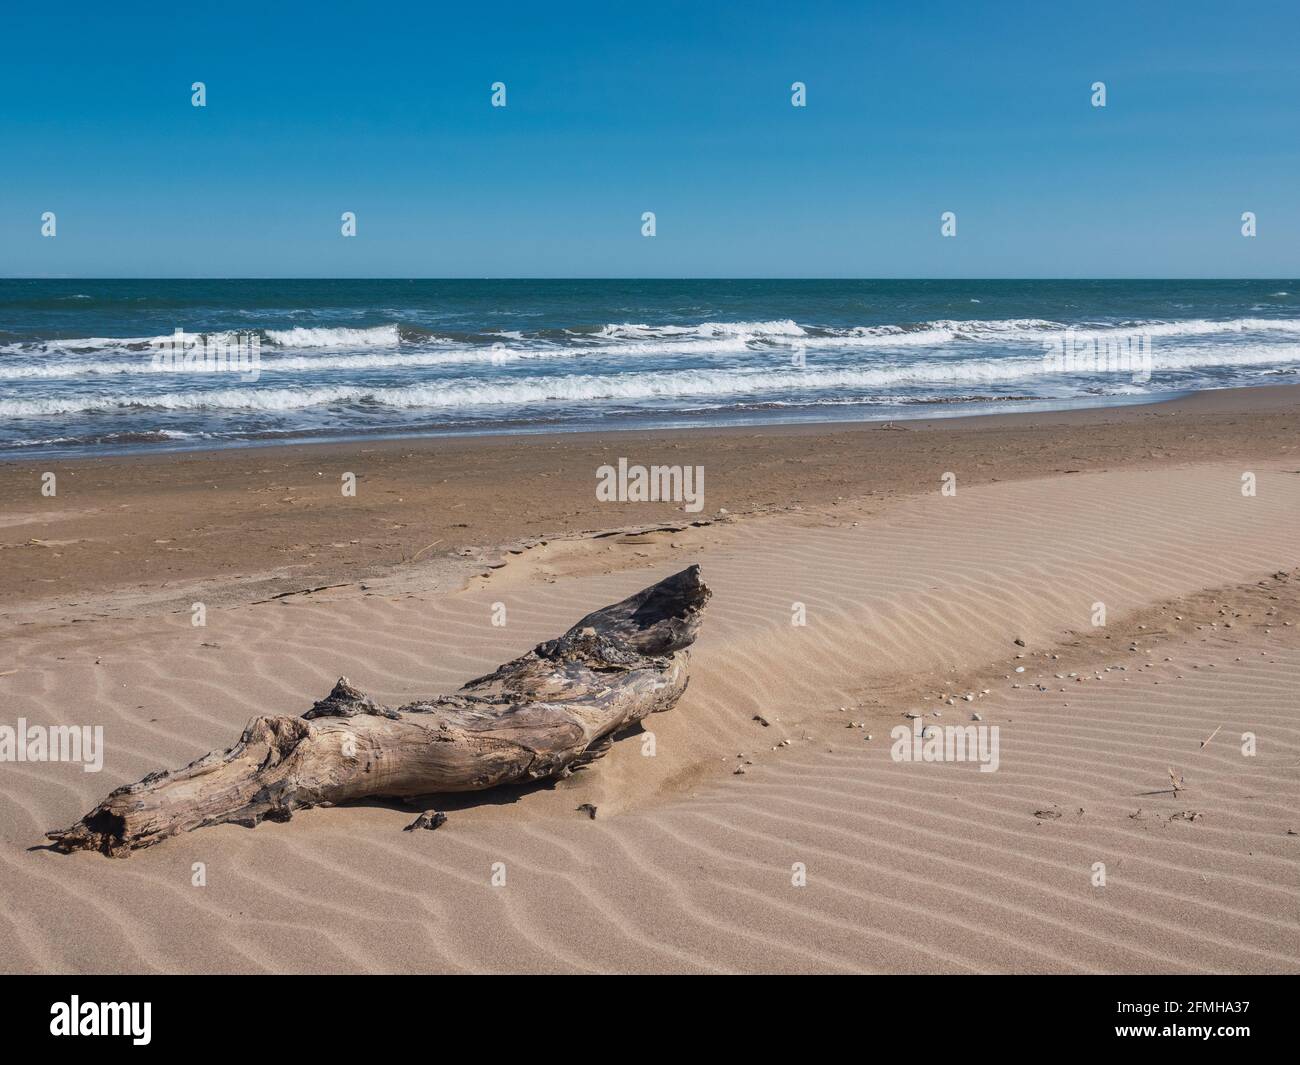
{"x":249,"y":523}
{"x":1271,"y":397}
{"x":913,"y":411}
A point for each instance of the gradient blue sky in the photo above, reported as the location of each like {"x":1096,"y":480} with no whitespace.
{"x":679,"y":108}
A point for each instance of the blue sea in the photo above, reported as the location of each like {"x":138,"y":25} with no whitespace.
{"x":81,"y":371}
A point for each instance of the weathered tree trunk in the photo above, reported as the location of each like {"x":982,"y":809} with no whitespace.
{"x":541,"y":715}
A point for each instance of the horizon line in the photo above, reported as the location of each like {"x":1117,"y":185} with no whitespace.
{"x":288,"y":277}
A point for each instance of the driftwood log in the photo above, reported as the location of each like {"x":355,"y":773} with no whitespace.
{"x":542,"y":715}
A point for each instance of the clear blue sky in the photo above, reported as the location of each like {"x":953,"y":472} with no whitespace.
{"x":683,"y":109}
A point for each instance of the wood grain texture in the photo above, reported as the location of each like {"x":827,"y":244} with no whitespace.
{"x":541,"y":715}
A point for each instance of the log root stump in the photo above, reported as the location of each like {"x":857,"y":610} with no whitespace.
{"x":542,"y":715}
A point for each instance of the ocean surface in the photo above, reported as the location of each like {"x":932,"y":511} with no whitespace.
{"x":98,"y":365}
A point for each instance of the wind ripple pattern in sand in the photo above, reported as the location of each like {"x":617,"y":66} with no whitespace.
{"x":688,"y":868}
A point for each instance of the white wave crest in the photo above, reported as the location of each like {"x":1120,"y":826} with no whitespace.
{"x":320,"y":337}
{"x":628,"y":331}
{"x":631,"y":387}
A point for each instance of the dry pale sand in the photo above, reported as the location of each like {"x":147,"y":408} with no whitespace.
{"x":910,"y":600}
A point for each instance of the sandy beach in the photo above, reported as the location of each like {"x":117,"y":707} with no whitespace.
{"x":774,"y":768}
